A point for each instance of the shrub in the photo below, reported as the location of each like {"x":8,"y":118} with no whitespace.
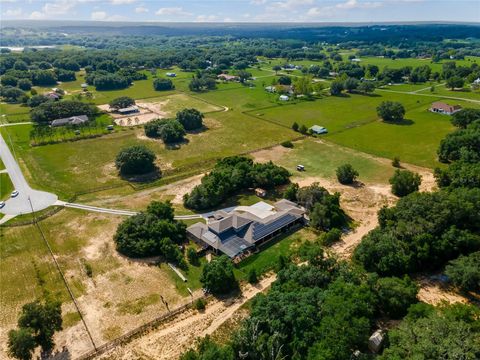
{"x":462,"y":118}
{"x":405,"y":182}
{"x":346,"y":174}
{"x":287,"y":144}
{"x":396,"y":162}
{"x":303,"y":129}
{"x":391,"y":111}
{"x":199,"y":304}
{"x":135,"y":160}
{"x":217,"y":276}
{"x":295,"y":126}
{"x":331,"y":236}
{"x":191,"y":119}
{"x":161,"y":84}
{"x":252,"y":276}
{"x":192,"y":256}
{"x":291,"y":192}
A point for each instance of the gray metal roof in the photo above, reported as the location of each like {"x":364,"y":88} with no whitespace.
{"x":73,"y":120}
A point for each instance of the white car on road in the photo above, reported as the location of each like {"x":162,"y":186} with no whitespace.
{"x":15,"y":193}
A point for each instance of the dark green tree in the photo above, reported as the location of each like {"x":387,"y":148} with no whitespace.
{"x":405,"y":182}
{"x":135,"y":160}
{"x":217,"y":276}
{"x":346,"y":174}
{"x":391,"y":111}
{"x":191,"y":119}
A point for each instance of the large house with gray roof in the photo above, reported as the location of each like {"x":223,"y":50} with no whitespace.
{"x":242,"y":229}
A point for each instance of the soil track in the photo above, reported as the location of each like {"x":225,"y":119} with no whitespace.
{"x":179,"y":334}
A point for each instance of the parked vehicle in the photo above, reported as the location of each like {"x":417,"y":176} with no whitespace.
{"x":15,"y":193}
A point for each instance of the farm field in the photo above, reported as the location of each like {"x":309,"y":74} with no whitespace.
{"x":467,"y":93}
{"x":118,"y":289}
{"x":71,"y":167}
{"x":322,"y":158}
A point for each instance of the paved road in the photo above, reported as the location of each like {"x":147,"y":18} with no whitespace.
{"x":21,"y":205}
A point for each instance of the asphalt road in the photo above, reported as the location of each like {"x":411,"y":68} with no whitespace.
{"x":21,"y":205}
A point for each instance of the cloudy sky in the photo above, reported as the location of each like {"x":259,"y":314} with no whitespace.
{"x":243,"y":10}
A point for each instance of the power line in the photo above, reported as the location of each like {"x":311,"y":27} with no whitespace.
{"x":61,"y":274}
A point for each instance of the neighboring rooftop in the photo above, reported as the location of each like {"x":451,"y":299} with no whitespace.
{"x":73,"y":120}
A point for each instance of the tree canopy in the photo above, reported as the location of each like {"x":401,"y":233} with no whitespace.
{"x":135,"y":160}
{"x":191,"y":119}
{"x":391,"y":111}
{"x":121,"y":102}
{"x":217,"y":276}
{"x":153,"y":232}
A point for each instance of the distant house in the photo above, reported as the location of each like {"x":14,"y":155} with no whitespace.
{"x":355,"y":60}
{"x":72,"y":120}
{"x":241,"y":230}
{"x":53,"y":96}
{"x":260,"y":192}
{"x":283,"y":98}
{"x":171,"y":74}
{"x":333,"y":74}
{"x":84,"y":86}
{"x":317,"y":129}
{"x":227,"y":77}
{"x":442,"y":108}
{"x":128,"y":110}
{"x":270,"y":89}
{"x":476,"y":82}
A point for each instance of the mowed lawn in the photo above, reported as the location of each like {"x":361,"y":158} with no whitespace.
{"x":6,"y":186}
{"x":336,"y":113}
{"x":415,"y":142}
{"x":71,"y":167}
{"x":322,"y":158}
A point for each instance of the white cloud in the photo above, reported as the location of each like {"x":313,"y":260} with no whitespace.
{"x":206,"y":18}
{"x":175,"y":11}
{"x":98,"y":15}
{"x":141,"y":9}
{"x":59,"y":7}
{"x":8,"y":1}
{"x":292,"y":4}
{"x":13,"y":12}
{"x":122,"y":2}
{"x":37,"y":15}
{"x":258,"y":2}
{"x":355,"y":4}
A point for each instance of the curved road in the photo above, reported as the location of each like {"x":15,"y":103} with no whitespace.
{"x":28,"y":197}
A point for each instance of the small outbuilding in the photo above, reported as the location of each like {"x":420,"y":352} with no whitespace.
{"x":375,"y":342}
{"x":260,"y":192}
{"x":443,"y":108}
{"x":227,"y":77}
{"x":128,"y":110}
{"x":318,"y":130}
{"x":171,"y":74}
{"x":283,"y":98}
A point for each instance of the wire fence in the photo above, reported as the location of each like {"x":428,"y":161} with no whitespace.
{"x":139,"y":331}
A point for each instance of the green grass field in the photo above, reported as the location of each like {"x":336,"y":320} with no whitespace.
{"x":6,"y":186}
{"x":71,"y":167}
{"x":322,"y":158}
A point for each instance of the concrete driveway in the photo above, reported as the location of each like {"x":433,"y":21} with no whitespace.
{"x":21,"y":205}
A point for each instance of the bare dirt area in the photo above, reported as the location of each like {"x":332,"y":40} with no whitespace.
{"x":434,"y":292}
{"x":121,"y":295}
{"x":360,"y":202}
{"x":273,"y":154}
{"x":179,"y":334}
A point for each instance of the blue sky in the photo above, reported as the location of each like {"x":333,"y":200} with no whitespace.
{"x":243,"y":10}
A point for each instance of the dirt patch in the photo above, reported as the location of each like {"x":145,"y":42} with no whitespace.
{"x":176,"y":336}
{"x":155,"y":107}
{"x":274,"y":154}
{"x":434,"y":292}
{"x":136,"y":119}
